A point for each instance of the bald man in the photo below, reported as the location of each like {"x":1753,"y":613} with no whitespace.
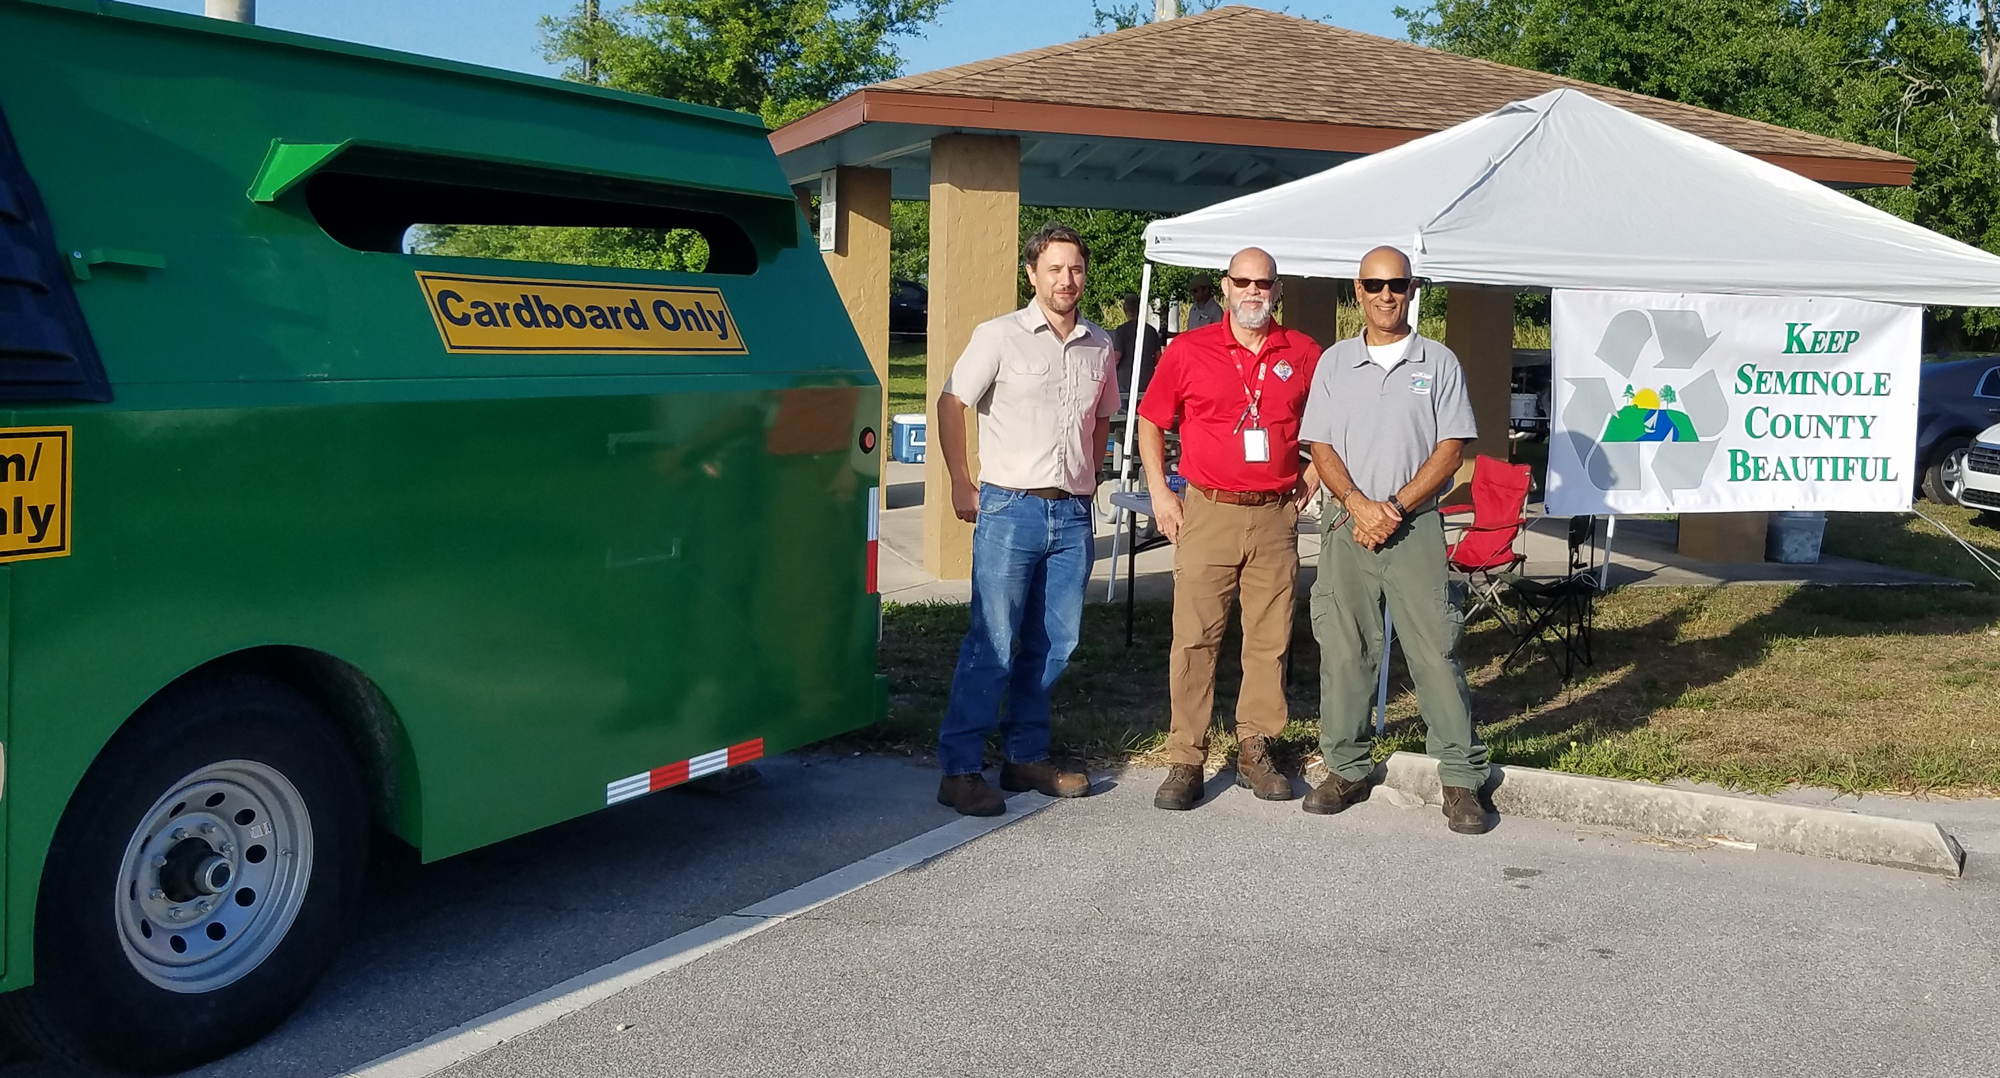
{"x":1388,"y":420}
{"x":1236,"y":391}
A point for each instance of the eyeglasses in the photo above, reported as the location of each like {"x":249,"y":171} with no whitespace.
{"x":1262,"y":284}
{"x":1374,"y":285}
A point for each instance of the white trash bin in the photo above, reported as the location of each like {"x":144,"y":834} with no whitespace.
{"x":1794,"y":537}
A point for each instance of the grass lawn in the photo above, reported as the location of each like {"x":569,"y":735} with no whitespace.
{"x":906,"y":376}
{"x":1909,"y":541}
{"x":1753,"y":687}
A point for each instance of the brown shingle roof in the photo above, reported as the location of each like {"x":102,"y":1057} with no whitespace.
{"x":1254,"y":64}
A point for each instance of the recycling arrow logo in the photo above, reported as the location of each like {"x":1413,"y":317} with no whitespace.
{"x":1651,"y":419}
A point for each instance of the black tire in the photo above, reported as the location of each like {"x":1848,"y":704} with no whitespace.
{"x":91,"y":1003}
{"x":1939,"y":471}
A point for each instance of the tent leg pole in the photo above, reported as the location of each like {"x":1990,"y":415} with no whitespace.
{"x":1131,"y":420}
{"x":1604,"y":574}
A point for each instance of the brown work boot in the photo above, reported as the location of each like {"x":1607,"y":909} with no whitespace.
{"x":1043,"y":777}
{"x":1462,"y":811}
{"x":1255,"y":772}
{"x":970,"y":795}
{"x":1182,"y":788}
{"x":1334,"y":795}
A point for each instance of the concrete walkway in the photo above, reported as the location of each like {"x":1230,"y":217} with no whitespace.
{"x":1643,"y":554}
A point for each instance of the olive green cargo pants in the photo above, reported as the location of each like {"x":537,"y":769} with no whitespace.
{"x":1409,"y":571}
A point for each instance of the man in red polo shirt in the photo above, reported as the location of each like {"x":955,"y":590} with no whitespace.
{"x":1236,"y":391}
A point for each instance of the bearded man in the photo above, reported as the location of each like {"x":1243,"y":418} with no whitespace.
{"x":1235,"y":391}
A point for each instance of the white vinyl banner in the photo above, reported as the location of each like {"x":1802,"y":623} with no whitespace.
{"x":1694,"y":403}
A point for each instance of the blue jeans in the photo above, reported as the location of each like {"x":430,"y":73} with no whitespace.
{"x":1030,"y":564}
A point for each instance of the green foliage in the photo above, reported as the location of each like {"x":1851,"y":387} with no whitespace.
{"x":909,"y":242}
{"x":1901,"y":75}
{"x":678,"y":249}
{"x":1116,"y":242}
{"x":778,"y":59}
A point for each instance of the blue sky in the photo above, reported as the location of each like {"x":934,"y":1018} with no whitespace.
{"x":502,"y":33}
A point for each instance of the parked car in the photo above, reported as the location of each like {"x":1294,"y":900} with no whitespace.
{"x":1956,"y":400}
{"x":1982,"y":472}
{"x":909,"y":309}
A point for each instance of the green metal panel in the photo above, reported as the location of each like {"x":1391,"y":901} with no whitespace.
{"x":560,"y":570}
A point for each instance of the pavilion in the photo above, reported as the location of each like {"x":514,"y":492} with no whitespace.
{"x":1170,"y":117}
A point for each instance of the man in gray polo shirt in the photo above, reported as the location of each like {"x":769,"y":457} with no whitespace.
{"x":1388,"y":420}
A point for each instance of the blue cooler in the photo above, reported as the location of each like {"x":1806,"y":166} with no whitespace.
{"x":906,"y":438}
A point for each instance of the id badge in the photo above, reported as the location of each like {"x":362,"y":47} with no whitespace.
{"x":1256,"y":445}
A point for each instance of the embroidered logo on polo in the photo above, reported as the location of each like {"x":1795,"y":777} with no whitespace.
{"x":1420,"y":382}
{"x":1283,"y":369}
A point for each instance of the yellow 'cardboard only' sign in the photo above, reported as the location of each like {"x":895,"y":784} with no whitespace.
{"x":34,"y":492}
{"x":521,"y":315}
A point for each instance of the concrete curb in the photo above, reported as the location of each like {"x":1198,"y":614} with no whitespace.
{"x":1666,"y":810}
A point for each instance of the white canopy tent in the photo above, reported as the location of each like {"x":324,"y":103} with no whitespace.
{"x":1566,"y":191}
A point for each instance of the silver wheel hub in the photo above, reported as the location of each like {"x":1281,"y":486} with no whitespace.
{"x":1952,"y":472}
{"x":214,"y":876}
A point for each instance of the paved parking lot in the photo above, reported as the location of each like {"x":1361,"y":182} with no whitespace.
{"x":1104,"y":937}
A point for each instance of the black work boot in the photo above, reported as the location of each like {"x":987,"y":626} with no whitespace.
{"x":1182,"y":788}
{"x":970,"y":795}
{"x":1462,"y":811}
{"x":1334,"y":795}
{"x":1255,"y":772}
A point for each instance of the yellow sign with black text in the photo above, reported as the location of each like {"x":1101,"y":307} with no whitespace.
{"x":591,"y":318}
{"x":34,"y":493}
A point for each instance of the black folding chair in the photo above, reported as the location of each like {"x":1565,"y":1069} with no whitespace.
{"x":1557,"y":613}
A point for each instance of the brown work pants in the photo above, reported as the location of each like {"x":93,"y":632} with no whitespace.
{"x":1249,"y":551}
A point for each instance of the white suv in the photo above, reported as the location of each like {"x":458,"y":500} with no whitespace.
{"x":1982,"y":472}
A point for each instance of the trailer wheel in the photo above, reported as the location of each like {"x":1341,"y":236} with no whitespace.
{"x":198,"y":882}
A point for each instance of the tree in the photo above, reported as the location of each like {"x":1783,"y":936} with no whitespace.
{"x":1903,"y":75}
{"x":778,"y":59}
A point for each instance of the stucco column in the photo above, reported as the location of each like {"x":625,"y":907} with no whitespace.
{"x":859,"y":264}
{"x":1479,"y":329}
{"x":975,"y":245}
{"x":1312,"y":306}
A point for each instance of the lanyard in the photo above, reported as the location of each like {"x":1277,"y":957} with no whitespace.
{"x":1253,"y":398}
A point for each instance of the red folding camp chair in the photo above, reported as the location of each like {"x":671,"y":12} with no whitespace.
{"x":1487,"y":549}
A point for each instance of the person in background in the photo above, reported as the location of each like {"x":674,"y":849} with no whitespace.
{"x":1236,"y":391}
{"x":1388,"y":421}
{"x":1122,"y":339}
{"x":1041,"y":379}
{"x":1202,"y":308}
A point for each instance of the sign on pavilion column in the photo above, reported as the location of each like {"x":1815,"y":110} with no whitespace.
{"x":858,"y":260}
{"x":975,"y":248}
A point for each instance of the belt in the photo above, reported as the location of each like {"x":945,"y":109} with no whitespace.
{"x":1054,"y":494}
{"x":1242,"y":497}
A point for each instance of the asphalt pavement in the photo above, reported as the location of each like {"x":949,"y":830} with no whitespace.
{"x":1103,"y":937}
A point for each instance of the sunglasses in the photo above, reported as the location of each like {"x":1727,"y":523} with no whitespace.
{"x":1262,"y":284}
{"x":1374,"y":285}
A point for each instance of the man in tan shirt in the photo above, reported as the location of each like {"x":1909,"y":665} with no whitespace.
{"x":1044,"y":382}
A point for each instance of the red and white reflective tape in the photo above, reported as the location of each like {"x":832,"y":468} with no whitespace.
{"x":674,"y":774}
{"x":874,"y":535}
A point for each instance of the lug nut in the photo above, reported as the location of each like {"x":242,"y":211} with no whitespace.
{"x":159,"y":862}
{"x":208,"y":829}
{"x":180,"y":834}
{"x":156,"y":894}
{"x":226,"y":848}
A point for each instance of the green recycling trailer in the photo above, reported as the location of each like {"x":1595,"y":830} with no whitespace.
{"x":303,"y":534}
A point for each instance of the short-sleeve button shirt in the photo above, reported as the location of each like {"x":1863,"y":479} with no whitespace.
{"x":1039,"y":398}
{"x":1385,"y":422}
{"x":1206,"y":377}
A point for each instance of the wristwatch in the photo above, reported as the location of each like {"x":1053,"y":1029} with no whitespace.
{"x":1398,"y":506}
